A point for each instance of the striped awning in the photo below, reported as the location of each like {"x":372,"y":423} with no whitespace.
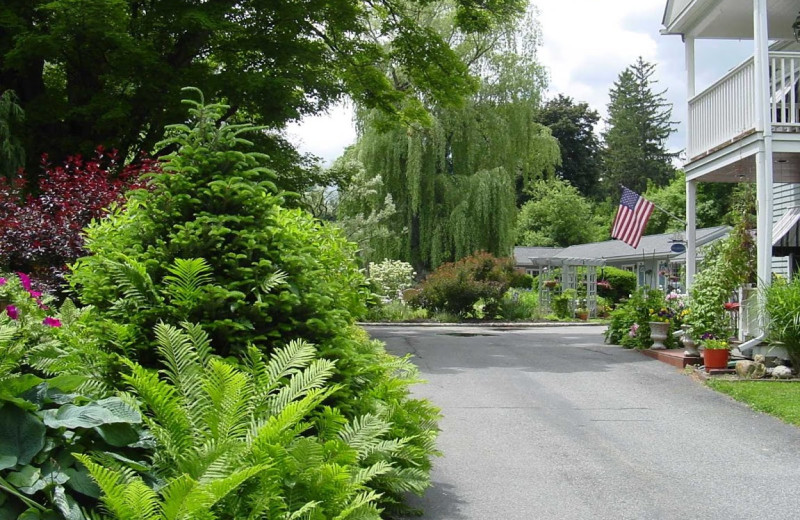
{"x":786,"y":232}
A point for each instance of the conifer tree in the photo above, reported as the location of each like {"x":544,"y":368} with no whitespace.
{"x":639,"y":124}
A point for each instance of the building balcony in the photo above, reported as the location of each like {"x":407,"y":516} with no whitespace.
{"x":724,"y":114}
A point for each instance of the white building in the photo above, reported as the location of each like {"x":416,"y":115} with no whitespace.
{"x":745,"y":127}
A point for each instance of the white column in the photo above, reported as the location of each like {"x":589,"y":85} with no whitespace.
{"x":691,"y":186}
{"x":691,"y":232}
{"x":764,"y":155}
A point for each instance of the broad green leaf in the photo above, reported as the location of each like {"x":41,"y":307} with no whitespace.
{"x":118,"y":434}
{"x":80,"y":481}
{"x":21,"y":434}
{"x":7,"y":461}
{"x":66,"y":505}
{"x":27,"y":480}
{"x":106,"y":411}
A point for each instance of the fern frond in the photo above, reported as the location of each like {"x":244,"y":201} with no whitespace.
{"x":361,"y":507}
{"x":133,"y":280}
{"x":112,"y":483}
{"x":170,"y":423}
{"x":287,"y":421}
{"x":313,"y":377}
{"x":364,"y":475}
{"x":274,"y":280}
{"x":183,"y":369}
{"x":174,"y":496}
{"x":364,"y":433}
{"x":186,"y":279}
{"x":304,"y":513}
{"x":226,"y":389}
{"x":286,"y":361}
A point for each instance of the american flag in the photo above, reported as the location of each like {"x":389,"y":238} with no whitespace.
{"x":632,"y":215}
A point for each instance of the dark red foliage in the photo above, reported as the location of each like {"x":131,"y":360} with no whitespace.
{"x":41,"y":228}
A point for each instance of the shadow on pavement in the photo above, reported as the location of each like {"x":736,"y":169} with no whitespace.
{"x":447,"y":351}
{"x":438,"y":503}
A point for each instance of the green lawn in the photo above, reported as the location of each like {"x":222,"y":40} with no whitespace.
{"x":779,"y":399}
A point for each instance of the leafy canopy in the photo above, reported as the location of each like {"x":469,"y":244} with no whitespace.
{"x":109,"y":71}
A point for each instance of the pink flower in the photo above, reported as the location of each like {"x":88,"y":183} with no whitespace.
{"x":12,"y":312}
{"x":26,"y":280}
{"x":634,"y":330}
{"x":35,"y":295}
{"x":51,"y":322}
{"x":2,"y":281}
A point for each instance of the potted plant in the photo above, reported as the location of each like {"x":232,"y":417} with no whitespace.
{"x":659,"y":326}
{"x":716,"y":352}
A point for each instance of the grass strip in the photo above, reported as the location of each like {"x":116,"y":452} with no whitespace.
{"x":781,"y":399}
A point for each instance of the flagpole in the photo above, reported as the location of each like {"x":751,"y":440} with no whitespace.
{"x":661,"y":209}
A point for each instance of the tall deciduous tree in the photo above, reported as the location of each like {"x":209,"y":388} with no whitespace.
{"x":110,"y":71}
{"x":454,"y":181}
{"x":639,"y":123}
{"x":556,"y":215}
{"x":573,"y":125}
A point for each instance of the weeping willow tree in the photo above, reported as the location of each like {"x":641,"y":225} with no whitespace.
{"x":454,"y":180}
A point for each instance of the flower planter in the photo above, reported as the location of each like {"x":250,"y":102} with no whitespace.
{"x":658,"y":333}
{"x":715,"y":359}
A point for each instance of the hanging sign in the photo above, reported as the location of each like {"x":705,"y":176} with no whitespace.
{"x":678,"y":248}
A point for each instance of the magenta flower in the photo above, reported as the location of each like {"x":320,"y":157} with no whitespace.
{"x":26,"y":281}
{"x":51,"y":322}
{"x":2,"y":281}
{"x":12,"y":312}
{"x":35,"y":295}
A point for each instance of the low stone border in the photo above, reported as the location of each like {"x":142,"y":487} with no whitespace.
{"x":506,"y":324}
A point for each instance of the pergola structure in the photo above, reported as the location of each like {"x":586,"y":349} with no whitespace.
{"x":570,"y":279}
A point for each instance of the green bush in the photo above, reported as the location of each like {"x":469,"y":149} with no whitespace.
{"x":519,"y":305}
{"x":782,"y":305}
{"x":561,"y":304}
{"x":395,"y":311}
{"x":456,"y":287}
{"x":621,"y":284}
{"x":629,"y":325}
{"x":521,"y":280}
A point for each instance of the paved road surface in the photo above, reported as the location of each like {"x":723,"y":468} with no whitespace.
{"x":550,"y":423}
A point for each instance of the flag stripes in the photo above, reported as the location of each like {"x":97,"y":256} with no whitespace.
{"x":632,"y":215}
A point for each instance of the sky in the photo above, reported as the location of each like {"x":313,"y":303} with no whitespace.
{"x":585,"y":45}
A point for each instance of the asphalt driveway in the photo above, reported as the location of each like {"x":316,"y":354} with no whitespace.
{"x":550,"y":423}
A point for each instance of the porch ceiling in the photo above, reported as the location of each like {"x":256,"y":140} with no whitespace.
{"x":727,"y":19}
{"x":785,"y":168}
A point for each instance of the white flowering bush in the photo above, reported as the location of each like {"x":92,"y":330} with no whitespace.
{"x":390,"y":278}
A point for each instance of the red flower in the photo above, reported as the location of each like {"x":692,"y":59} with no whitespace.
{"x":51,"y":322}
{"x":731,"y":306}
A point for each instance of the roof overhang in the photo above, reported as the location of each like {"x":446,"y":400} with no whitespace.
{"x":727,"y":19}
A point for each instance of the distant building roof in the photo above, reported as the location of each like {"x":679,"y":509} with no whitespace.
{"x":658,"y":246}
{"x":523,"y":255}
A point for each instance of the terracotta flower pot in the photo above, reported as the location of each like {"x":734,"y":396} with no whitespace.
{"x":715,"y":359}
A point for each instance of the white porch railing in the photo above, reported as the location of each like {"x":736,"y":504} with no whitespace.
{"x":784,"y":71}
{"x":723,"y":111}
{"x":726,"y":109}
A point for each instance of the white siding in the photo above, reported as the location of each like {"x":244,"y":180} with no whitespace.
{"x":785,"y":196}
